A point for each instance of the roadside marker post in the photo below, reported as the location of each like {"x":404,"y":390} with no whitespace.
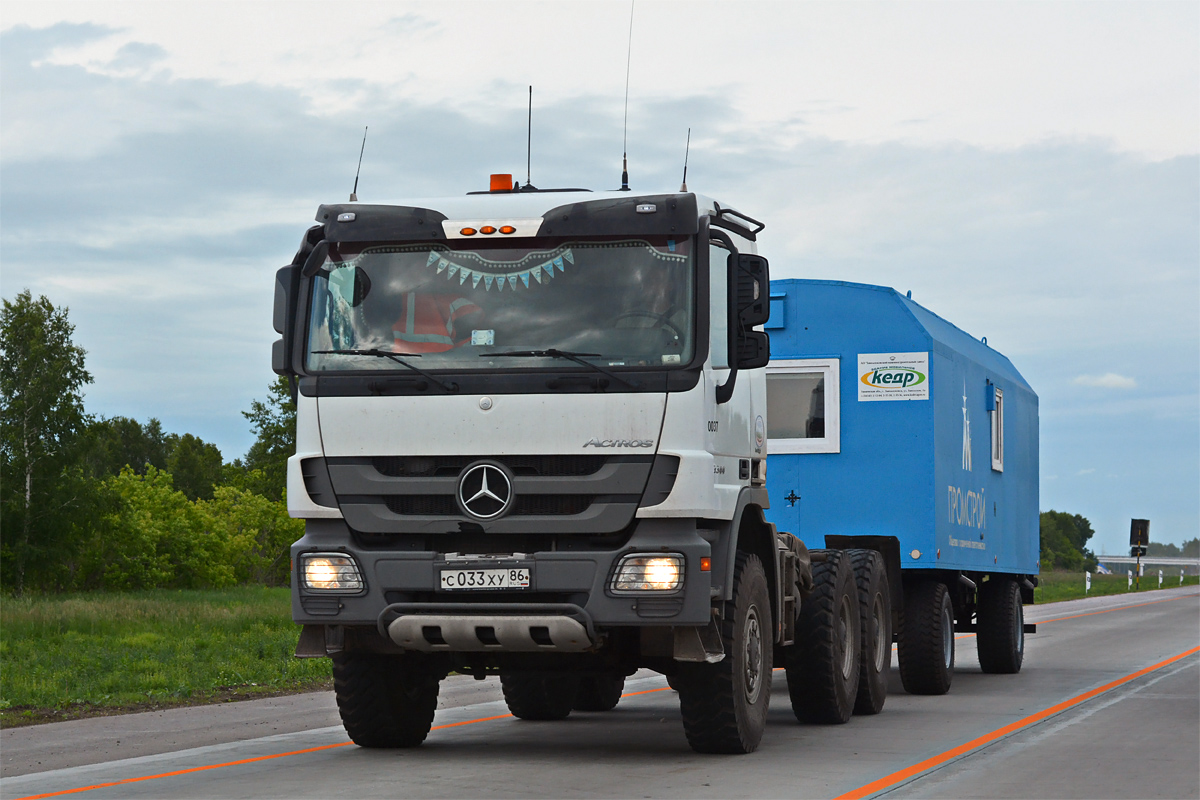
{"x":1160,"y":579}
{"x":1129,"y":574}
{"x":1181,"y":576}
{"x":1087,"y":582}
{"x":1139,"y":540}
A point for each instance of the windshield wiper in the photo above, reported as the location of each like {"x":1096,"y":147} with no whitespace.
{"x":568,"y":355}
{"x":448,"y":387}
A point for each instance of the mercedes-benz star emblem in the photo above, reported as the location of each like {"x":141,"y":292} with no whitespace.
{"x":484,"y":491}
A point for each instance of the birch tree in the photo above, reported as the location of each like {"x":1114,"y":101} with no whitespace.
{"x":41,"y":418}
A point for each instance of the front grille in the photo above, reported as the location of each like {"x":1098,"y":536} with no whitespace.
{"x":585,"y":494}
{"x":451,"y":466}
{"x":536,"y":505}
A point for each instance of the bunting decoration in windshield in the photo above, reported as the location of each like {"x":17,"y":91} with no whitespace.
{"x":539,"y":272}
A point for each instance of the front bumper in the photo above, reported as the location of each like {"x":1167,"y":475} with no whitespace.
{"x":564,"y":584}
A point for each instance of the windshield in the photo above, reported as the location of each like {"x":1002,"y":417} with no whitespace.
{"x":617,"y":303}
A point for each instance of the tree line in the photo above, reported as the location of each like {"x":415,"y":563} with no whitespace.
{"x":88,"y":502}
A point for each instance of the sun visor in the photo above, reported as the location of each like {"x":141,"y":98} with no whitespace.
{"x":636,"y":215}
{"x":355,"y":222}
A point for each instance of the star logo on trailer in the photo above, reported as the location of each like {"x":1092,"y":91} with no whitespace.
{"x":485,"y":490}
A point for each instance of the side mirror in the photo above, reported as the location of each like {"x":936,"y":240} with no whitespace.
{"x":754,"y":350}
{"x":283,"y":318}
{"x":753,"y":285}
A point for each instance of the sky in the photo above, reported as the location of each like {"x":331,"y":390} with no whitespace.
{"x":1029,"y":170}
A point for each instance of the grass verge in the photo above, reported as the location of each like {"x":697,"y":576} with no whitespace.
{"x":71,"y":656}
{"x":1055,"y":586}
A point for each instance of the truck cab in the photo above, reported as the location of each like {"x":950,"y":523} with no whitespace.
{"x":531,"y":441}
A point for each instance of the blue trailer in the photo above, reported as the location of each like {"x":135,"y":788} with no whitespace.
{"x":891,"y":428}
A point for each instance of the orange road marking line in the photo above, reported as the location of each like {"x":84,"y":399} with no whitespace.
{"x":953,"y":753}
{"x":267,"y":758}
{"x":185,"y":771}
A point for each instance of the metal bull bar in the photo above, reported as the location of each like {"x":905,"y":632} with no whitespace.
{"x":480,"y":627}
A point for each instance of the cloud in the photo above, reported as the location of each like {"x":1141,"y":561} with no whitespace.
{"x":1088,"y":471}
{"x":1109,"y":380}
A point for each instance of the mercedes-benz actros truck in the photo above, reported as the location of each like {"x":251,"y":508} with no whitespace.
{"x":532,"y":442}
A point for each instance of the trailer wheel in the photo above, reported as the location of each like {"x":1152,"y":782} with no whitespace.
{"x":599,"y":692}
{"x":875,"y":613}
{"x":539,"y":696}
{"x":927,"y":639}
{"x":385,"y":700}
{"x":823,"y":665}
{"x":724,"y":705}
{"x":1001,"y":627}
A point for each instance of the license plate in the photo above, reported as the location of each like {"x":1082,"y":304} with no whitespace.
{"x":512,"y":578}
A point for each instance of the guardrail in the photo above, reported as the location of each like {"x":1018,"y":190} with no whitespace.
{"x":1166,"y":561}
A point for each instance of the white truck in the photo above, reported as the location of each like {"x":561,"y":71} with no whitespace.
{"x":531,"y":442}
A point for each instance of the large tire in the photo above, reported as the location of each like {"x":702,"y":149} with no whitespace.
{"x":599,"y":692}
{"x":823,"y":664}
{"x":1001,"y":627}
{"x":385,"y":700}
{"x":724,"y":705}
{"x":927,"y":639}
{"x":875,"y":614}
{"x":539,"y":696}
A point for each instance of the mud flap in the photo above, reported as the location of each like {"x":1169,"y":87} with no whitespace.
{"x":698,"y":643}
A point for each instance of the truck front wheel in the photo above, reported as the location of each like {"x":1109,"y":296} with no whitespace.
{"x":385,"y":700}
{"x":539,"y":696}
{"x":1001,"y":627}
{"x":927,"y":639}
{"x":724,"y":705}
{"x":823,"y":665}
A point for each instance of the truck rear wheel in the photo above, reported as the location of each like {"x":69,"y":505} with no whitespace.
{"x":724,"y":705}
{"x":599,"y":692}
{"x":875,"y":613}
{"x":823,"y":665}
{"x":385,"y":700}
{"x":927,"y":639}
{"x":1001,"y":627}
{"x":539,"y":696}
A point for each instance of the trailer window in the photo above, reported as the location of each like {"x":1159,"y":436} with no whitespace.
{"x":803,"y":406}
{"x":997,"y":415}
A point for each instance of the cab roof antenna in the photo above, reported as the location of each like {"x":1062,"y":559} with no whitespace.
{"x":625,"y":132}
{"x":686,"y":148}
{"x":529,"y":187}
{"x":361,"y":150}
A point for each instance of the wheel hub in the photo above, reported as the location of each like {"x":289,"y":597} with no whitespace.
{"x":753,"y":659}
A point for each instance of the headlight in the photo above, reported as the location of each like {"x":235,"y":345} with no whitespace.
{"x":330,"y":572}
{"x":648,"y":573}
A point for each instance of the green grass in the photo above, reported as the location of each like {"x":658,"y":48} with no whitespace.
{"x":1055,"y":586}
{"x":76,"y":655}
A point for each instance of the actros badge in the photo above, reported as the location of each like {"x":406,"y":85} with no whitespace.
{"x":485,"y":490}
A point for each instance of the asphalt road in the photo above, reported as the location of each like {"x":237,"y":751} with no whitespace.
{"x":1105,"y":707}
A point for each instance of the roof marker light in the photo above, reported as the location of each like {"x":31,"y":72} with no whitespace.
{"x":487,"y":230}
{"x":468,"y":231}
{"x":506,"y":229}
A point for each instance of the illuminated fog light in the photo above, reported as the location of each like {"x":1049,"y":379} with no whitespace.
{"x":648,"y":573}
{"x":328,"y":572}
